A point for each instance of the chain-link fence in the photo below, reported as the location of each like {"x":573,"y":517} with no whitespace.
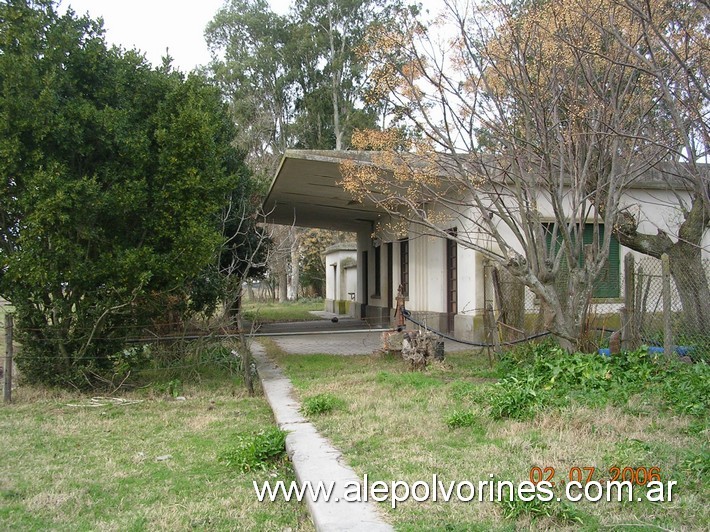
{"x":664,"y":308}
{"x":518,"y":314}
{"x":670,"y":306}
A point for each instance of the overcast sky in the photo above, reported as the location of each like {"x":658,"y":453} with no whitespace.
{"x":154,"y":25}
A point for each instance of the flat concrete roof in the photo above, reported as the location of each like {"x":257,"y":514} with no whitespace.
{"x":306,"y":192}
{"x":306,"y":189}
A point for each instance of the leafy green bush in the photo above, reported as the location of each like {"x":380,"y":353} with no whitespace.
{"x":514,"y":508}
{"x":517,"y":399}
{"x":461,"y":418}
{"x":321,"y":404}
{"x":259,"y":451}
{"x":686,"y":388}
{"x":544,"y":374}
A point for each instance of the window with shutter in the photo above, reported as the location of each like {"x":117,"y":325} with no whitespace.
{"x":607,"y":284}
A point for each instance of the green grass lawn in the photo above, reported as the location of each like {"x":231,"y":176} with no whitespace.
{"x":269,"y":312}
{"x":394,"y":424}
{"x":151,"y":465}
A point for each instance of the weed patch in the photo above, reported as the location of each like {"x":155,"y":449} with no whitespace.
{"x":323,"y":403}
{"x":396,"y":427}
{"x":535,"y":508}
{"x":544,"y":375}
{"x":459,"y":418}
{"x":697,"y":463}
{"x":260,"y":451}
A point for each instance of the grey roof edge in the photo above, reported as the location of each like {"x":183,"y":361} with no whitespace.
{"x":653,"y":179}
{"x":341,"y":246}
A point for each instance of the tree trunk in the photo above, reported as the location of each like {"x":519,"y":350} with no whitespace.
{"x":295,"y":267}
{"x":245,"y":351}
{"x":686,"y":261}
{"x":687,"y":270}
{"x":283,"y":286}
{"x":565,"y":311}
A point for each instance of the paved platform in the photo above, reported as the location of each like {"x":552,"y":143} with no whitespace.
{"x":325,"y":324}
{"x":344,"y":343}
{"x":315,"y":459}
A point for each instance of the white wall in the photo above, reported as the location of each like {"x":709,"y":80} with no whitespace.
{"x":335,"y":275}
{"x":655,"y":209}
{"x":350,"y":282}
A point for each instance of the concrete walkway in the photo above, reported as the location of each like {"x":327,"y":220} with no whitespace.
{"x":314,"y":458}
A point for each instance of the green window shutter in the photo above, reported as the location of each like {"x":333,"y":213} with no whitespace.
{"x":607,"y":284}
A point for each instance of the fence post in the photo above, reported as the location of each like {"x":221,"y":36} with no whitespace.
{"x":628,"y":313}
{"x":667,"y":314}
{"x":492,"y":329}
{"x":7,"y":365}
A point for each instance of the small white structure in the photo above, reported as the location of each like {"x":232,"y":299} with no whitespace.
{"x":341,"y":278}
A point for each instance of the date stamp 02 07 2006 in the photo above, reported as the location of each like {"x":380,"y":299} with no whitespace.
{"x":636,"y":475}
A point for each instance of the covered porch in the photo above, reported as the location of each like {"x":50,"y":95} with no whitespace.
{"x":432,"y":271}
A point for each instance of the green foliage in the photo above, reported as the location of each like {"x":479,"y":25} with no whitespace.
{"x":462,"y":418}
{"x":517,"y":399}
{"x":543,"y":374}
{"x":322,"y":403}
{"x":289,"y":76}
{"x":131,"y":359}
{"x":258,"y":451}
{"x":115,"y":178}
{"x":514,"y":508}
{"x":629,"y":453}
{"x":175,"y":388}
{"x":687,"y":388}
{"x":697,"y":463}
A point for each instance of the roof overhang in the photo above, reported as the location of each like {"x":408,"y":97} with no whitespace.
{"x":306,"y":192}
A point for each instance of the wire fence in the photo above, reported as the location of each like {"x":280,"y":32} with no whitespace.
{"x":665,"y":308}
{"x":671,"y":306}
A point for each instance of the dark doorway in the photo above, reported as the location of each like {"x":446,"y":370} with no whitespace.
{"x":365,"y":286}
{"x":452,"y":284}
{"x":390,"y":275}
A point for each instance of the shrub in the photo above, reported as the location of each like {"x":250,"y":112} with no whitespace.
{"x":259,"y":451}
{"x":686,"y":388}
{"x":517,"y":399}
{"x":514,"y":508}
{"x":461,"y":418}
{"x":543,"y":374}
{"x":321,"y":404}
